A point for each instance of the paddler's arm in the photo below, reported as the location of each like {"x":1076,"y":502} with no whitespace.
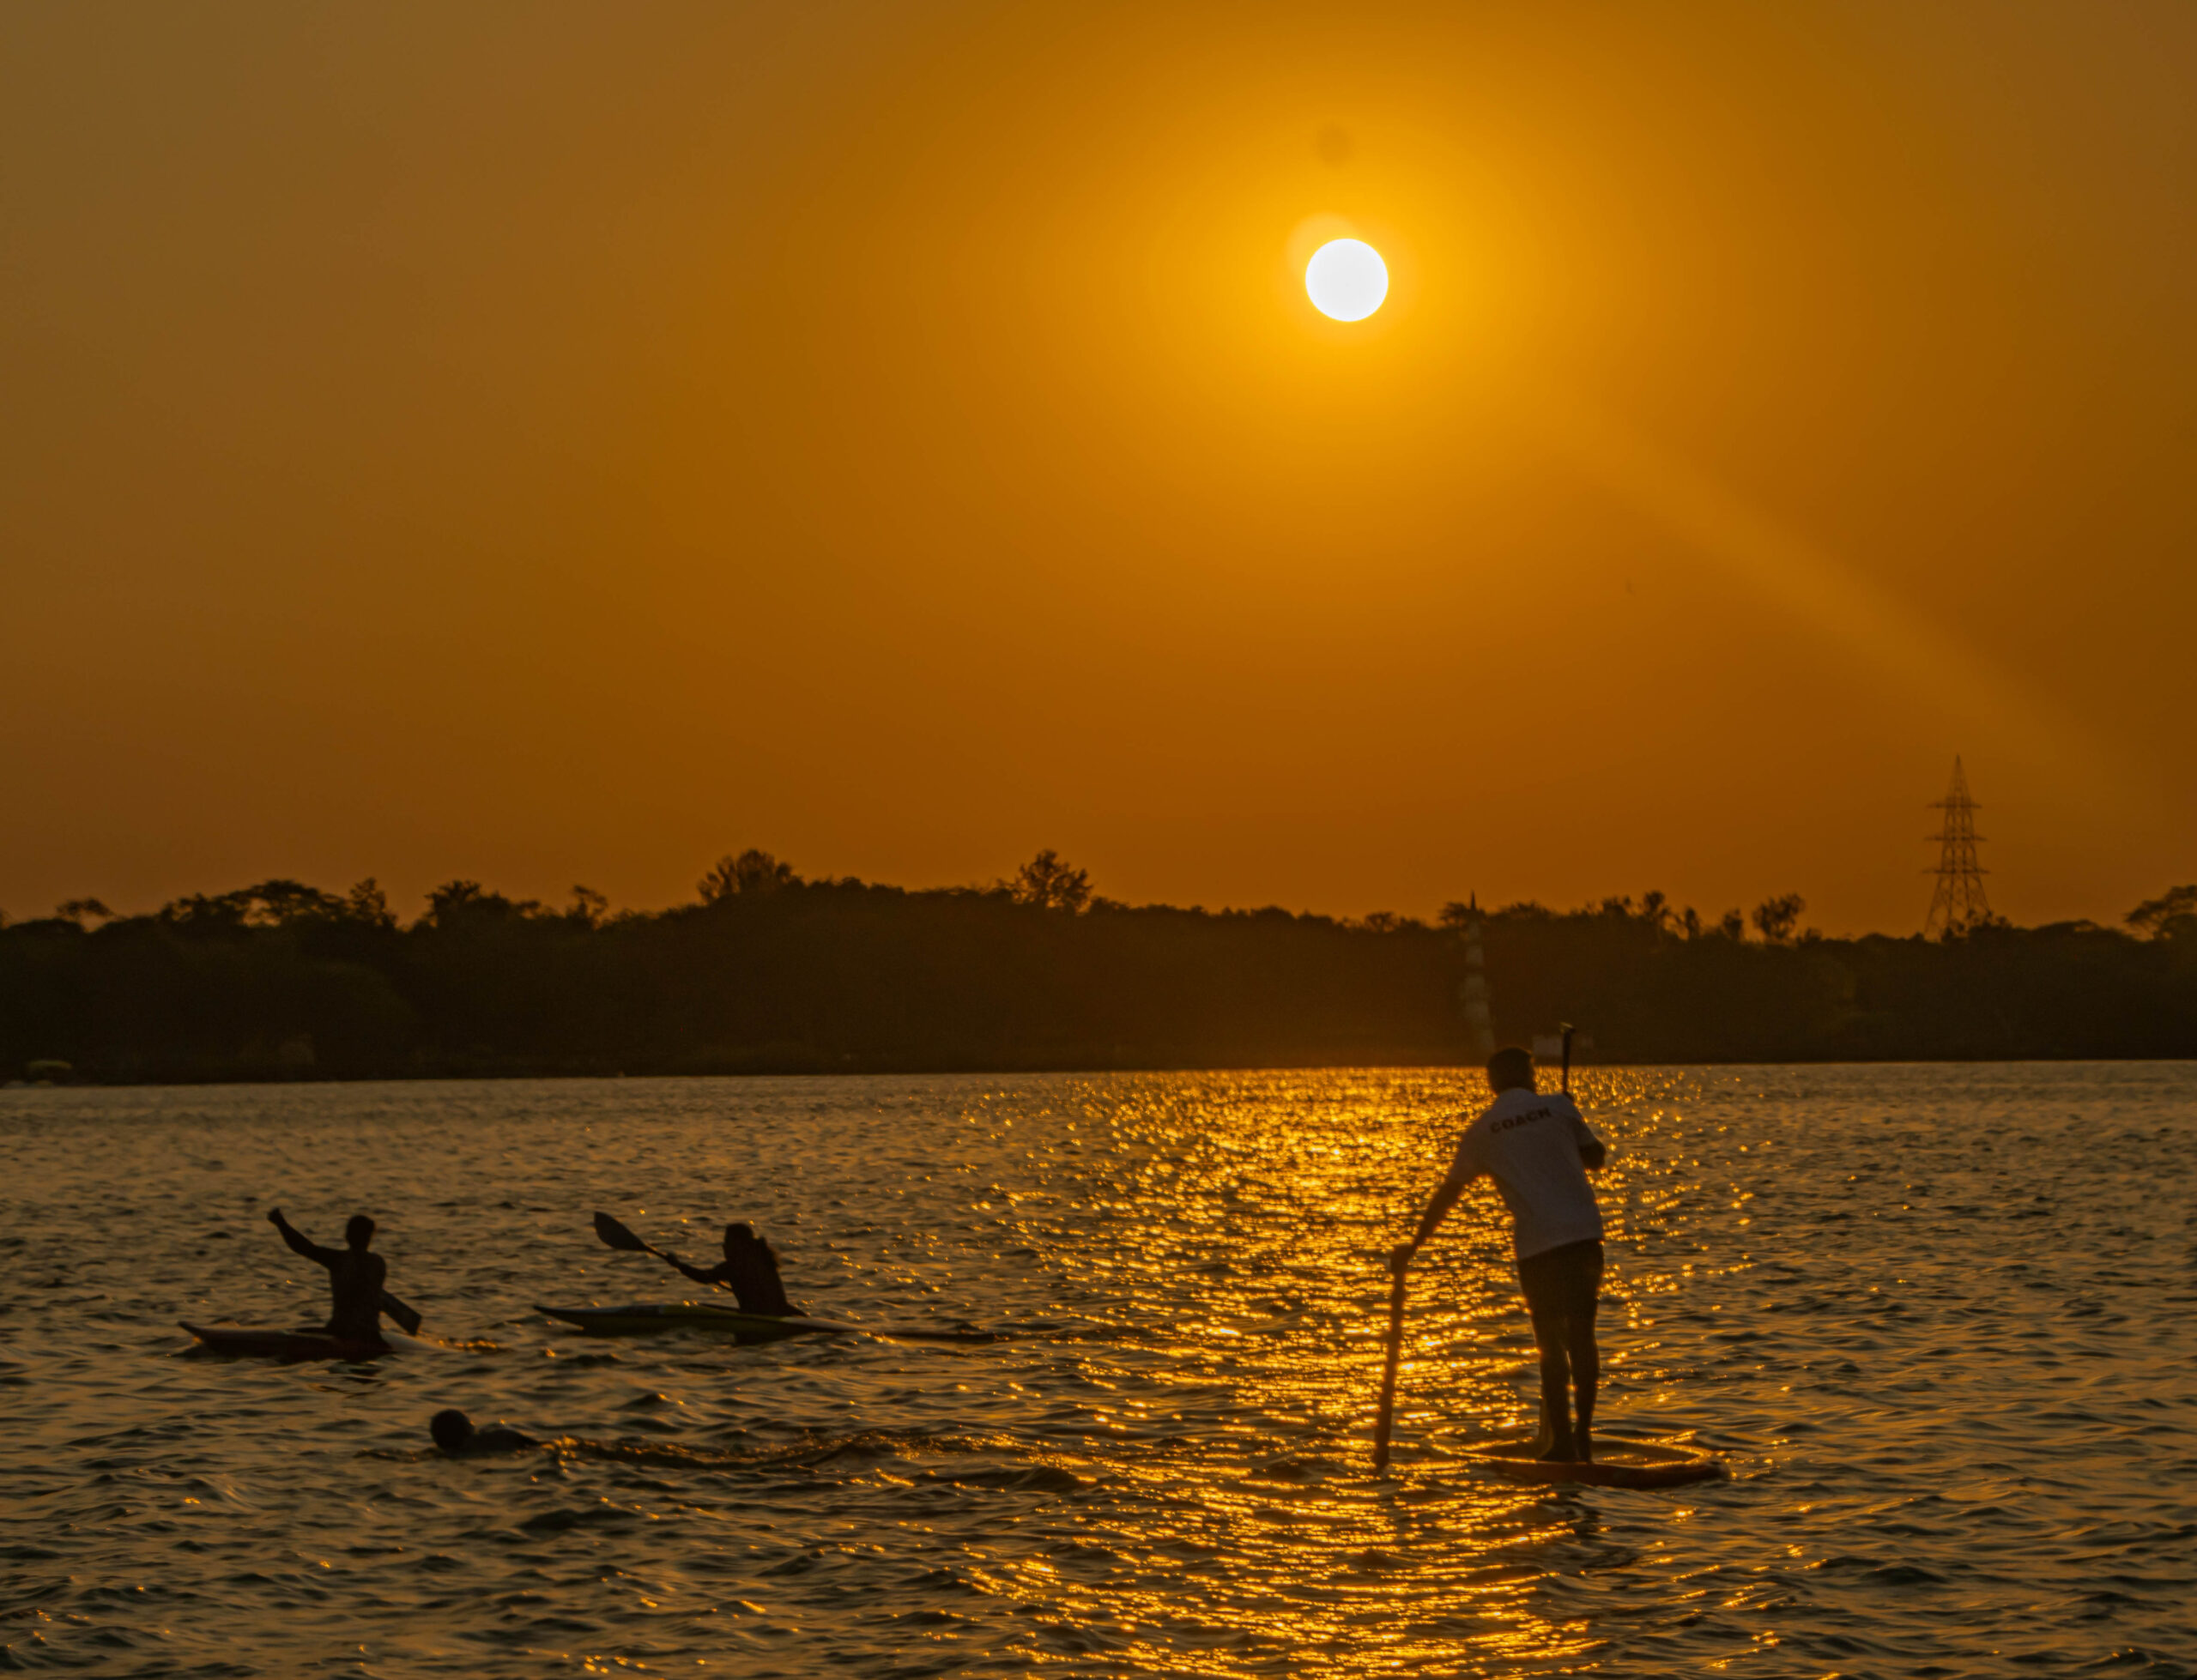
{"x":1593,"y":1153}
{"x":1444,"y":1199}
{"x":714,"y":1275}
{"x":298,"y":1241}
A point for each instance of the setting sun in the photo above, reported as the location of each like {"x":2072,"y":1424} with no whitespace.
{"x":1037,"y":963}
{"x":1347,"y":279}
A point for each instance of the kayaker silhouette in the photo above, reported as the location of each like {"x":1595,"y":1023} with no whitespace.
{"x":454,"y":1433}
{"x":1539,"y":1151}
{"x":749,"y":1270}
{"x":355,"y":1279}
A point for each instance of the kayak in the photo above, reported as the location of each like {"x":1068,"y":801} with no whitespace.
{"x":1617,"y":1464}
{"x":259,"y":1342}
{"x":646,"y":1318}
{"x":649,"y":1317}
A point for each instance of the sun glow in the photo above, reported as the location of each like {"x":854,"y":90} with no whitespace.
{"x":1347,"y":279}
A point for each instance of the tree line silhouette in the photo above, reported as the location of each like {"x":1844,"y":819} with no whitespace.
{"x":767,"y":972}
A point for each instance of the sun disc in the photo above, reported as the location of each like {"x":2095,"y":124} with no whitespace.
{"x":1347,"y":279}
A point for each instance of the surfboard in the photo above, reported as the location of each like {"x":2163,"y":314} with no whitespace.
{"x":263,"y":1342}
{"x":1618,"y":1463}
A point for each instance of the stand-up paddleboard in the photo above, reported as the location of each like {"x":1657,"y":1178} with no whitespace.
{"x":259,"y":1342}
{"x":1617,"y":1464}
{"x":647,"y":1318}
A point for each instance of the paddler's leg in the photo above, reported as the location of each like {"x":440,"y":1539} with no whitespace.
{"x":1579,"y":1340}
{"x":1555,"y":1440}
{"x":1586,"y":1378}
{"x":1560,"y":1286}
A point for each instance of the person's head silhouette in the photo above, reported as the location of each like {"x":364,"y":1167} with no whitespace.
{"x":1510,"y":1069}
{"x":451,"y":1429}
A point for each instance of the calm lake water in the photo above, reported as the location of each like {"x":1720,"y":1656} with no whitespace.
{"x":1939,"y":1320}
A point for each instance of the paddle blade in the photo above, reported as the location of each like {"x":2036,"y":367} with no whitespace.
{"x":407,"y":1319}
{"x":618,"y":1236}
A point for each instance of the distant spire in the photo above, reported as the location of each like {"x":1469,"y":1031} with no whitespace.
{"x":1472,"y":993}
{"x":1958,"y":903}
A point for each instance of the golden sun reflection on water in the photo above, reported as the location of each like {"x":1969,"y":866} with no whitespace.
{"x":1260,"y":1211}
{"x":1921,"y":1360}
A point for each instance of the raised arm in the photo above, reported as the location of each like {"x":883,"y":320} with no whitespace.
{"x":298,"y":1241}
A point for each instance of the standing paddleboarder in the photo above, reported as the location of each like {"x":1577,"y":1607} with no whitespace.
{"x":1539,"y":1151}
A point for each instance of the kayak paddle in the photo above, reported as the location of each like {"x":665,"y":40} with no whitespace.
{"x":622,"y":1236}
{"x":407,"y":1321}
{"x":1385,"y":1421}
{"x":1567,"y":1030}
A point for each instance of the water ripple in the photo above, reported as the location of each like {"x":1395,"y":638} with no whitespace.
{"x":1937,"y":1319}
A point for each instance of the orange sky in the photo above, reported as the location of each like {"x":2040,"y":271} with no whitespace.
{"x":564,"y":443}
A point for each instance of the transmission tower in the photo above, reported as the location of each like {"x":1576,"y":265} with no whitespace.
{"x":1958,"y":903}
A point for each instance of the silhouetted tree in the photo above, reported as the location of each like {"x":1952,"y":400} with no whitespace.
{"x":461,"y":904}
{"x":269,"y":904}
{"x":752,"y":871}
{"x":274,"y":903}
{"x":819,"y":976}
{"x":368,"y":905}
{"x":1776,"y":918}
{"x":76,"y":910}
{"x":1051,"y":885}
{"x":2173,"y":914}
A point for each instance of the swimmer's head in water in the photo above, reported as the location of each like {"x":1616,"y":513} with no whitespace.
{"x":360,"y":1232}
{"x":451,"y":1429}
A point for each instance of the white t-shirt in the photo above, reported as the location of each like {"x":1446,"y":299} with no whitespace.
{"x":1529,"y":1145}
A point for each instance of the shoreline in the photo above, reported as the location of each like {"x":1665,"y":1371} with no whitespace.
{"x":903,"y":1070}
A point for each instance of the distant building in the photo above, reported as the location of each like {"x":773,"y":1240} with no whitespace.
{"x":1548,"y":1046}
{"x":1472,"y":992}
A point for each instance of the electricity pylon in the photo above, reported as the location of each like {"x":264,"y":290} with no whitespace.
{"x":1958,"y":903}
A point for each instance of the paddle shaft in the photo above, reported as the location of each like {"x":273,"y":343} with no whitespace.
{"x":1384,"y":1422}
{"x":1568,"y":1030}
